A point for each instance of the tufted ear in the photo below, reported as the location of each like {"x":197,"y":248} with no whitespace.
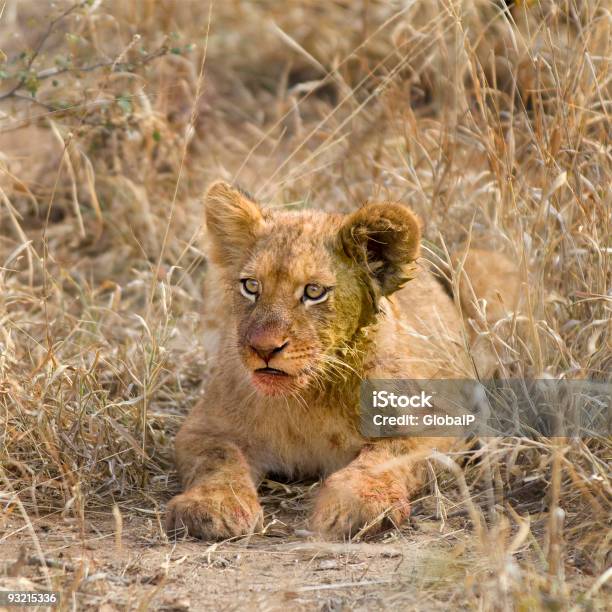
{"x":383,"y":238}
{"x":233,"y":221}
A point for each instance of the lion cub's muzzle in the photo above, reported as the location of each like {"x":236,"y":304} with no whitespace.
{"x":265,"y":354}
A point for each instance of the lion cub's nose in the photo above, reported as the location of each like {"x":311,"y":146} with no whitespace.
{"x":266,"y":345}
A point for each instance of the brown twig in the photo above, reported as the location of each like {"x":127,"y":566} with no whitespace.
{"x":53,"y":72}
{"x":40,"y":45}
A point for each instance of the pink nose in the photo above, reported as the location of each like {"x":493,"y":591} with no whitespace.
{"x":266,"y":343}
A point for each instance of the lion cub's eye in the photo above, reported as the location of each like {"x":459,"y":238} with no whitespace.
{"x":249,"y":287}
{"x":314,"y":293}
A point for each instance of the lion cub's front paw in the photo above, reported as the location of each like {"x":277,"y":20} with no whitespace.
{"x":349,"y":502}
{"x":214,"y":513}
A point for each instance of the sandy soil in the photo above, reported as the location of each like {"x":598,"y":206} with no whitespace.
{"x":417,"y":567}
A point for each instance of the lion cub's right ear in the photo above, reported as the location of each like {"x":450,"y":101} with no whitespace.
{"x":233,"y":222}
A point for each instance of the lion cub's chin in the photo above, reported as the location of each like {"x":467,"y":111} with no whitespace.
{"x":277,"y":383}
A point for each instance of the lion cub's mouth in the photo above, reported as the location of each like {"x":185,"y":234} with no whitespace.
{"x":271,"y":371}
{"x":272,"y":381}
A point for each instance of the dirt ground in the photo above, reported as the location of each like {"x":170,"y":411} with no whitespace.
{"x":419,"y":567}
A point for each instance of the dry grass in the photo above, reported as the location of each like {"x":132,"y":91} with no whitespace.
{"x":492,"y":124}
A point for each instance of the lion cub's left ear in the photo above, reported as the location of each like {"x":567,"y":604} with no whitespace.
{"x":385,"y":239}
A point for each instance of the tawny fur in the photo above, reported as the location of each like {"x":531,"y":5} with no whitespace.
{"x":386,"y":317}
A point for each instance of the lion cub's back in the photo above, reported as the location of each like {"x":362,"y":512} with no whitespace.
{"x":422,"y":334}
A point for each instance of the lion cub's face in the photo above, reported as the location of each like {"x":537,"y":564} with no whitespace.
{"x":302,"y":284}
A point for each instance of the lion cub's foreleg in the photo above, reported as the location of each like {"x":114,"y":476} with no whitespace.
{"x":374,"y":490}
{"x":220,"y":499}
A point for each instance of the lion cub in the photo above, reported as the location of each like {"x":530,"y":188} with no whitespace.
{"x":311,"y":303}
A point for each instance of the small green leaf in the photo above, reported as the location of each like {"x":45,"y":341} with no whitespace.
{"x":125,"y":104}
{"x":31,"y":83}
{"x":156,"y":136}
